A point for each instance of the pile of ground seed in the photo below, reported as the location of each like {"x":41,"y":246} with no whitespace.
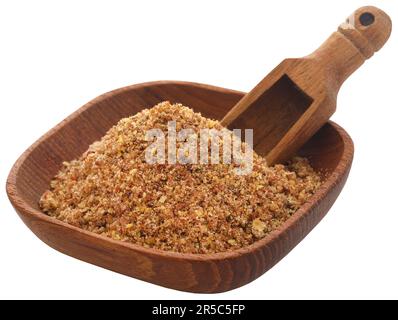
{"x":194,"y":208}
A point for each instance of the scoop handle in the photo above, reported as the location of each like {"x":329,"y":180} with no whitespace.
{"x":368,"y":28}
{"x":362,"y":34}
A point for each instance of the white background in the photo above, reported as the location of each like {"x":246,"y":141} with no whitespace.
{"x":57,"y":55}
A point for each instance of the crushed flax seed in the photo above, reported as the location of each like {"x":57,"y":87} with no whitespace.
{"x":193,"y":208}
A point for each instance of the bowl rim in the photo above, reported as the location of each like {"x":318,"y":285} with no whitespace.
{"x":20,"y":205}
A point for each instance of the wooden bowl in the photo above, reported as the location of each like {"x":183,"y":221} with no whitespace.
{"x":330,"y":151}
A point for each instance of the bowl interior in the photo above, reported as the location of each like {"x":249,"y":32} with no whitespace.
{"x":71,"y":138}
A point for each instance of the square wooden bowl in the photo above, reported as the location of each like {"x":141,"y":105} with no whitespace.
{"x":330,"y":151}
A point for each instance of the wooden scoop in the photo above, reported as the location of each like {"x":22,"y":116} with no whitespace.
{"x":298,"y":97}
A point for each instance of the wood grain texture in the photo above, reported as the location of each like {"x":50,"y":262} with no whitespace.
{"x":298,"y":97}
{"x":330,"y":152}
